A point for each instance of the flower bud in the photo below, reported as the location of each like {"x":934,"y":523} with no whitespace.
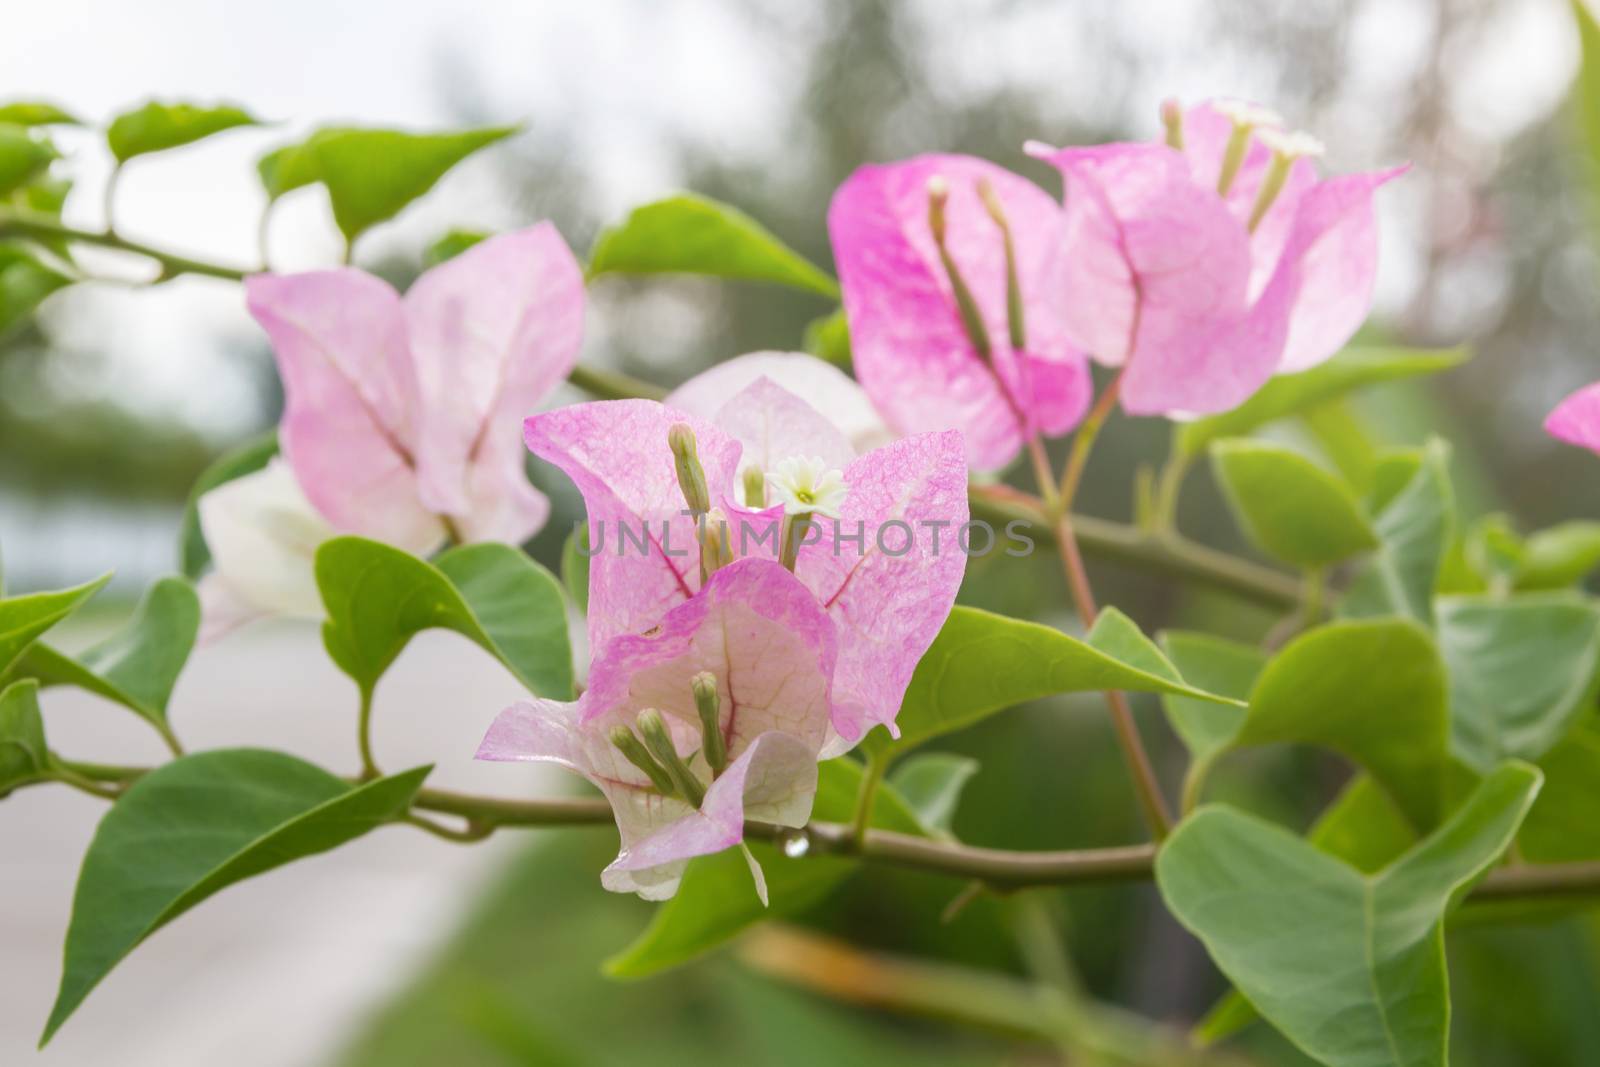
{"x":755,"y":487}
{"x":971,"y":317}
{"x":1172,"y":120}
{"x":714,"y":551}
{"x":1014,"y":312}
{"x":709,"y":705}
{"x":691,"y":476}
{"x":653,"y":730}
{"x":938,"y":197}
{"x":624,"y":741}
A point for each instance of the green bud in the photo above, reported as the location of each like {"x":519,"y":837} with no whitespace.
{"x":635,"y":753}
{"x":794,"y":532}
{"x":653,"y":730}
{"x":755,"y":487}
{"x":709,"y":705}
{"x":714,"y":551}
{"x":1172,"y":119}
{"x":691,"y":476}
{"x":971,"y":317}
{"x":1014,"y":310}
{"x":938,"y":197}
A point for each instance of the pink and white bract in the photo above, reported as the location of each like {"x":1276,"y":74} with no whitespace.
{"x":771,"y":647}
{"x":402,"y":412}
{"x":1576,"y":420}
{"x":1198,"y":292}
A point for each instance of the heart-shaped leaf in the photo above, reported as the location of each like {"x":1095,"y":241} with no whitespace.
{"x":195,"y":826}
{"x":1288,"y":506}
{"x":371,"y":175}
{"x":378,"y":598}
{"x":982,"y":663}
{"x":156,"y":127}
{"x":931,"y":785}
{"x":715,"y":902}
{"x":689,"y":234}
{"x":24,"y":618}
{"x":136,"y":667}
{"x":1415,"y":519}
{"x":1521,"y":671}
{"x":1350,"y":967}
{"x":24,"y":156}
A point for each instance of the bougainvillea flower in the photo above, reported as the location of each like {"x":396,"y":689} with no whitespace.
{"x":1576,"y":420}
{"x":1204,"y":270}
{"x":885,"y":572}
{"x":822,"y":386}
{"x":770,"y":648}
{"x":401,"y":413}
{"x":927,"y":363}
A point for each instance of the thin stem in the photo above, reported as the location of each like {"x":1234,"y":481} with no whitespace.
{"x":473,"y":832}
{"x":877,"y":764}
{"x":67,"y":776}
{"x":1083,"y":441}
{"x":111,"y":198}
{"x":369,"y":766}
{"x":1168,"y":488}
{"x":999,"y":868}
{"x":171,"y":739}
{"x":1154,"y":805}
{"x":172,"y":265}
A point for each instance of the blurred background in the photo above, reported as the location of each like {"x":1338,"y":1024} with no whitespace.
{"x":403,"y":950}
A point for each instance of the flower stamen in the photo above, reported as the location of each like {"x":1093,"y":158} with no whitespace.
{"x":1286,"y":149}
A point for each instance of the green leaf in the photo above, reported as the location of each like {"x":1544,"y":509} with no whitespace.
{"x":23,"y":753}
{"x":1288,"y":394}
{"x":828,"y":338}
{"x":25,"y":281}
{"x":690,"y":234}
{"x":1342,"y":436}
{"x":379,"y":597}
{"x":931,"y":783}
{"x":1363,"y":827}
{"x":24,"y":618}
{"x":1564,"y":826}
{"x":35,"y":113}
{"x":1521,"y":671}
{"x":1373,"y":690}
{"x":1219,"y":666}
{"x":715,"y":901}
{"x":1414,"y":525}
{"x":245,"y":458}
{"x":451,"y":245}
{"x":23,"y":157}
{"x":1349,"y":967}
{"x":575,"y":565}
{"x":981,"y":663}
{"x":371,"y":175}
{"x":1288,"y":506}
{"x":195,"y":826}
{"x":156,"y":127}
{"x":136,"y":667}
{"x":1559,"y":557}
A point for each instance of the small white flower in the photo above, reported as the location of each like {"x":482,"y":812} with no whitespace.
{"x":1290,"y":145}
{"x":1244,"y":113}
{"x":806,"y":485}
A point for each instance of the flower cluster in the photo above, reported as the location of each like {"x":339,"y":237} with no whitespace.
{"x":1201,"y":265}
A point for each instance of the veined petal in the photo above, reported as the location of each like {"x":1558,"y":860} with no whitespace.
{"x":646,"y":557}
{"x":492,"y":332}
{"x":775,"y":781}
{"x":1145,"y":236}
{"x":754,"y":627}
{"x":1576,"y":420}
{"x":773,"y":424}
{"x":911,"y":351}
{"x":348,"y":425}
{"x":263,"y":535}
{"x":823,"y":386}
{"x":1334,"y":245}
{"x":888,"y":594}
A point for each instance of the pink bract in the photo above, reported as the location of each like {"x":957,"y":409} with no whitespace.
{"x":911,"y":351}
{"x":1576,"y":420}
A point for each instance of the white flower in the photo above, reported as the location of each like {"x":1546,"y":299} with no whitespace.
{"x":1295,"y":145}
{"x":807,"y":485}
